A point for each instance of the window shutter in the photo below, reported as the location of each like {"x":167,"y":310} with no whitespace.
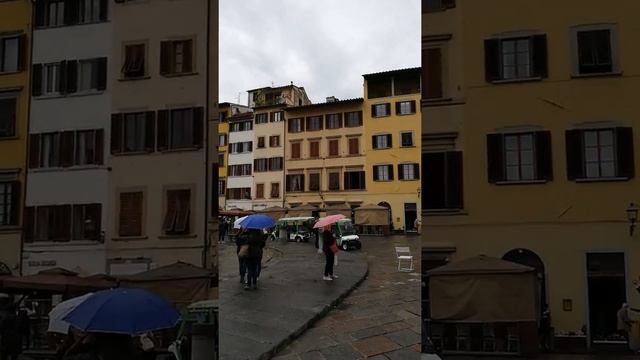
{"x":492,"y":60}
{"x":495,"y":158}
{"x":454,"y":180}
{"x":34,"y":151}
{"x":67,"y":141}
{"x":172,"y":211}
{"x":63,"y":232}
{"x":104,"y":10}
{"x":71,"y":12}
{"x":93,"y":212}
{"x":575,"y":157}
{"x":36,"y":78}
{"x":116,"y":133}
{"x":100,"y":146}
{"x":149,"y":131}
{"x":101,"y":64}
{"x":432,"y":81}
{"x":389,"y":140}
{"x":22,"y":52}
{"x":184,"y":210}
{"x":188,"y":56}
{"x":163,"y":130}
{"x":413,"y":106}
{"x":388,"y":107}
{"x":165,"y":57}
{"x":375,"y":173}
{"x":390,"y":171}
{"x":373,"y":111}
{"x":544,"y":162}
{"x":289,"y":125}
{"x":321,"y":122}
{"x":400,"y":172}
{"x":62,"y":77}
{"x":374,"y":143}
{"x":250,"y":146}
{"x":540,"y":55}
{"x":359,"y":118}
{"x":416,"y":171}
{"x":198,"y":125}
{"x":397,"y":107}
{"x":16,"y":200}
{"x":28,"y":224}
{"x":72,"y":76}
{"x":307,"y":122}
{"x":624,"y":155}
{"x":41,"y":7}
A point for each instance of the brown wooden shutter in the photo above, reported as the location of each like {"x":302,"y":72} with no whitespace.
{"x":71,"y":12}
{"x":100,"y":146}
{"x":63,"y":223}
{"x":94,"y":212}
{"x":413,"y":106}
{"x":41,"y":8}
{"x":198,"y":125}
{"x":36,"y":78}
{"x":101,"y":64}
{"x":28,"y":223}
{"x":390,"y":171}
{"x":624,"y":152}
{"x":163,"y":130}
{"x":314,"y":149}
{"x":374,"y":143}
{"x":359,"y":117}
{"x":575,"y":156}
{"x":72,"y":76}
{"x":539,"y":55}
{"x":389,"y":140}
{"x":375,"y":173}
{"x":492,"y":59}
{"x":34,"y":151}
{"x":544,"y":159}
{"x":290,"y":125}
{"x":321,"y":122}
{"x":171,"y":212}
{"x":388,"y":107}
{"x":23,"y":54}
{"x":149,"y":131}
{"x":295,"y":150}
{"x":416,"y":171}
{"x":432,"y":74}
{"x":184,"y":210}
{"x":116,"y":133}
{"x":400,"y":172}
{"x":398,"y":107}
{"x":104,"y":10}
{"x":16,"y":201}
{"x":259,"y":191}
{"x":165,"y":57}
{"x":62,"y":77}
{"x":188,"y":47}
{"x":308,"y":123}
{"x":495,"y":158}
{"x":454,"y":180}
{"x":67,"y":142}
{"x":354,"y":146}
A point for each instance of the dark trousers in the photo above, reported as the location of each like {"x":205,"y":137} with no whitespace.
{"x":252,"y":270}
{"x":328,"y":267}
{"x":259,"y":266}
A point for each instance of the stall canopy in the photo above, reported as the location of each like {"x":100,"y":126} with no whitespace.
{"x":275,"y":212}
{"x":181,"y":283}
{"x":303,"y":210}
{"x":372,"y":215}
{"x":56,"y":280}
{"x":340,"y":209}
{"x":235,"y":212}
{"x":483,"y":289}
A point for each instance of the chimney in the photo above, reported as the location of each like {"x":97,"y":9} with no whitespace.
{"x":331,"y":99}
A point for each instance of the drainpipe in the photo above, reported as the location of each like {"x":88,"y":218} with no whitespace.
{"x":284,"y":157}
{"x":206,"y":242}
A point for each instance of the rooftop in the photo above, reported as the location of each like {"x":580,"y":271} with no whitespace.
{"x":393,"y":72}
{"x":276,"y":88}
{"x":330,"y":103}
{"x":241,"y":116}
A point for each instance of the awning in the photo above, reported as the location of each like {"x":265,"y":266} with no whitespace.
{"x":56,"y":280}
{"x":372,"y":215}
{"x":342,"y":209}
{"x":303,"y":210}
{"x":275,"y":212}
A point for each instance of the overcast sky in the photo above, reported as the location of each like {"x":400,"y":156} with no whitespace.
{"x":323,"y":45}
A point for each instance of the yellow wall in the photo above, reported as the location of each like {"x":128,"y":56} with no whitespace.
{"x":15,"y":16}
{"x":223,"y":128}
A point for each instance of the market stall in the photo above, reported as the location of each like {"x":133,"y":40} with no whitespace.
{"x":303,"y":210}
{"x":276,"y":212}
{"x":372,"y":220}
{"x":339,"y":209}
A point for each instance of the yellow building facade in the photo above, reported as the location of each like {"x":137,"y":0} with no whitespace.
{"x":15,"y":39}
{"x":529,"y":125}
{"x":391,"y":141}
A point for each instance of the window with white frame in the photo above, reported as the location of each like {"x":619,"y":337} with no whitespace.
{"x":406,"y":107}
{"x":519,"y":157}
{"x":51,"y":79}
{"x":599,"y":153}
{"x":50,"y":150}
{"x":383,"y":172}
{"x":595,"y":51}
{"x":409,"y":171}
{"x":55,"y":13}
{"x":516,"y":58}
{"x":9,"y":54}
{"x":380,"y":110}
{"x":89,"y":11}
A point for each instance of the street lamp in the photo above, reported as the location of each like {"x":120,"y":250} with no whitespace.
{"x":632,"y":216}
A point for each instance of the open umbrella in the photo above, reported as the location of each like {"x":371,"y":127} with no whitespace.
{"x":236,"y":224}
{"x":123,"y":311}
{"x":328,"y":220}
{"x":56,"y":324}
{"x":257,"y":221}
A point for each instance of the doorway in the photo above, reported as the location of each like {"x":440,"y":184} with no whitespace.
{"x":410,"y":216}
{"x":390,"y":217}
{"x":606,"y":292}
{"x":529,"y":258}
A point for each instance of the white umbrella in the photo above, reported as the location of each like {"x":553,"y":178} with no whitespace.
{"x":56,"y":324}
{"x":236,"y":224}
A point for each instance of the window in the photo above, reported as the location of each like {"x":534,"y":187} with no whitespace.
{"x":176,"y":219}
{"x":262,"y":118}
{"x":296,"y":125}
{"x":221,"y":160}
{"x":314,"y":123}
{"x":381,"y":141}
{"x":295,"y":183}
{"x":409,"y":171}
{"x":314,"y":182}
{"x":407,"y":82}
{"x":432,"y":73}
{"x":134,"y":61}
{"x":314,"y":149}
{"x":65,"y":149}
{"x":295,"y":150}
{"x":11,"y":53}
{"x":180,"y":128}
{"x":241,"y":126}
{"x":275,"y":164}
{"x":600,"y":153}
{"x":221,"y":187}
{"x":382,"y":172}
{"x":50,"y":13}
{"x":176,"y":57}
{"x":54,"y":12}
{"x":516,"y":58}
{"x":130,"y":214}
{"x":334,"y":121}
{"x":222,"y":139}
{"x":259,"y":191}
{"x":274,"y":141}
{"x":261,"y":165}
{"x":89,"y":75}
{"x":241,"y":147}
{"x":437,"y":5}
{"x":381,"y":110}
{"x":354,"y":146}
{"x":275,"y":190}
{"x":50,"y":150}
{"x":8,"y":112}
{"x":239,"y":194}
{"x":354,"y":119}
{"x":89,"y":147}
{"x":595,"y":52}
{"x":50,"y":78}
{"x":9,"y":203}
{"x":334,"y":181}
{"x":261,"y":142}
{"x":89,"y":11}
{"x":519,"y":156}
{"x":240,"y":170}
{"x":354,"y":180}
{"x":406,"y":139}
{"x":442,"y":180}
{"x":69,"y":76}
{"x":133,"y":132}
{"x":405,"y":107}
{"x":87,"y":222}
{"x":52,"y":223}
{"x":334,"y":147}
{"x":277,"y":116}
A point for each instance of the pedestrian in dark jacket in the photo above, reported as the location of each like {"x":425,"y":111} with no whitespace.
{"x":223,"y":230}
{"x":327,"y":239}
{"x":10,"y":342}
{"x":256,"y":241}
{"x":241,"y":239}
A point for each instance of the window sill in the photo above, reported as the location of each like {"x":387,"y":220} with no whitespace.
{"x":611,"y":179}
{"x":132,"y":153}
{"x":444,"y":212}
{"x":175,"y":75}
{"x":381,"y":116}
{"x":70,"y":168}
{"x":10,"y":229}
{"x":69,"y":95}
{"x":10,"y":72}
{"x":521,"y":182}
{"x":408,"y":179}
{"x":46,"y":243}
{"x":137,"y":78}
{"x":384,"y":181}
{"x":353,"y":155}
{"x":596,"y":75}
{"x":130,"y":238}
{"x":519,"y":80}
{"x":384,"y":148}
{"x":407,"y":146}
{"x":7,"y":138}
{"x":185,"y":236}
{"x":405,"y":114}
{"x":169,"y":151}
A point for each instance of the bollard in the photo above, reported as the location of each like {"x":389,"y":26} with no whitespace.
{"x":203,"y":342}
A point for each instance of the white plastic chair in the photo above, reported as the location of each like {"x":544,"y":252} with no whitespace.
{"x":403,"y":254}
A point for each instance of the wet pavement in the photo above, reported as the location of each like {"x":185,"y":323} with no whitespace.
{"x":378,"y":320}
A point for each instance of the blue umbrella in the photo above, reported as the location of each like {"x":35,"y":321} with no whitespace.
{"x":123,"y":311}
{"x":257,"y":221}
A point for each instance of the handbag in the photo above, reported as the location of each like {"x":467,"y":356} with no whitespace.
{"x":334,"y":248}
{"x":244,"y":251}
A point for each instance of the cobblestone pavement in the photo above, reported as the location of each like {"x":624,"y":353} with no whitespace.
{"x":550,"y":357}
{"x":379,"y":320}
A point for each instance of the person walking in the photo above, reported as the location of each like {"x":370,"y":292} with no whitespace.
{"x":256,"y":244}
{"x":624,"y":323}
{"x":24,"y":328}
{"x":10,"y":341}
{"x":328,"y":246}
{"x":241,"y":250}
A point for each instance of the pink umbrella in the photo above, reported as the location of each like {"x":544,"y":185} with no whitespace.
{"x":328,"y":220}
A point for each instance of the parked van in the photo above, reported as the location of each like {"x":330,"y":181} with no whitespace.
{"x":296,"y":229}
{"x":346,"y":235}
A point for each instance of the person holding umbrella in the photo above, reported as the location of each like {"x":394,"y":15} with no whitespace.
{"x":255,"y":245}
{"x":328,"y":244}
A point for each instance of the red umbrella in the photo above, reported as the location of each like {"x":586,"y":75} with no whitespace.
{"x":328,"y":220}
